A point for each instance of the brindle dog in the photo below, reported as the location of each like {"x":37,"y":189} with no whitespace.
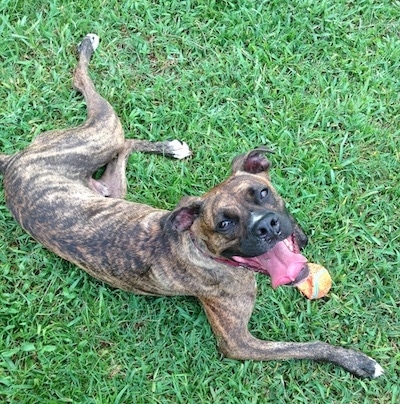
{"x":208,"y":246}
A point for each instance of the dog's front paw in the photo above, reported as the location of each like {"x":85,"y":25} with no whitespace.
{"x":360,"y":364}
{"x":177,"y":149}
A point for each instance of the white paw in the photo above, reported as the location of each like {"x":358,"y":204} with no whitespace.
{"x":378,"y":370}
{"x":178,"y":149}
{"x":94,"y":39}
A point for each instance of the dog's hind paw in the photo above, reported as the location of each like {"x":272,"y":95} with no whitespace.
{"x":378,"y":371}
{"x":91,"y":40}
{"x":94,"y":39}
{"x":177,"y":149}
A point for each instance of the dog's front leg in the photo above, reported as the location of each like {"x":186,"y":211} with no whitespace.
{"x":229,"y":318}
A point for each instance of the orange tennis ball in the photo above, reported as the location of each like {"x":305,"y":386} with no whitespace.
{"x":317,"y":284}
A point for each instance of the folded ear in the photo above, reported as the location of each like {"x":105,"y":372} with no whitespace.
{"x":186,"y":212}
{"x":253,"y":162}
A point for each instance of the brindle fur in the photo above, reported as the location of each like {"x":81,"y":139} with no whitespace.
{"x":50,"y":191}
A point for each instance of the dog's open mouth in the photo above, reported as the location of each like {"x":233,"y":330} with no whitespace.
{"x":283,"y":263}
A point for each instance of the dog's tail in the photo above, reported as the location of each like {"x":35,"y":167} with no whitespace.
{"x":4,"y":159}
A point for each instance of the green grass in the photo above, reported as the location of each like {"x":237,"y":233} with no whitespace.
{"x":316,"y":81}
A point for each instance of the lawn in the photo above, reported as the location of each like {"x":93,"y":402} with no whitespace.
{"x":318,"y":82}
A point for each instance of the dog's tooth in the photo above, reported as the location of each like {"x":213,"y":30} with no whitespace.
{"x":289,"y":245}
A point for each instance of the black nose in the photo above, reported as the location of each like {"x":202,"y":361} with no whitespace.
{"x":268,"y":226}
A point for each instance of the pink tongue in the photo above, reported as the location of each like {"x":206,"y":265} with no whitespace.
{"x":280,"y":263}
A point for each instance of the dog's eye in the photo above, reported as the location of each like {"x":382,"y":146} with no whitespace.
{"x":264,"y":193}
{"x":225,"y":225}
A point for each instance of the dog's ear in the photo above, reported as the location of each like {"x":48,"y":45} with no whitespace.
{"x":187,"y":211}
{"x":253,"y":162}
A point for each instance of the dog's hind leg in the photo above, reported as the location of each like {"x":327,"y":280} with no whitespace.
{"x":113,"y":151}
{"x":101,"y":136}
{"x":77,"y":152}
{"x":113,"y":181}
{"x":81,"y":80}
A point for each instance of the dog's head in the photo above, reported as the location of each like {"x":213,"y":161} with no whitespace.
{"x":244,"y":222}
